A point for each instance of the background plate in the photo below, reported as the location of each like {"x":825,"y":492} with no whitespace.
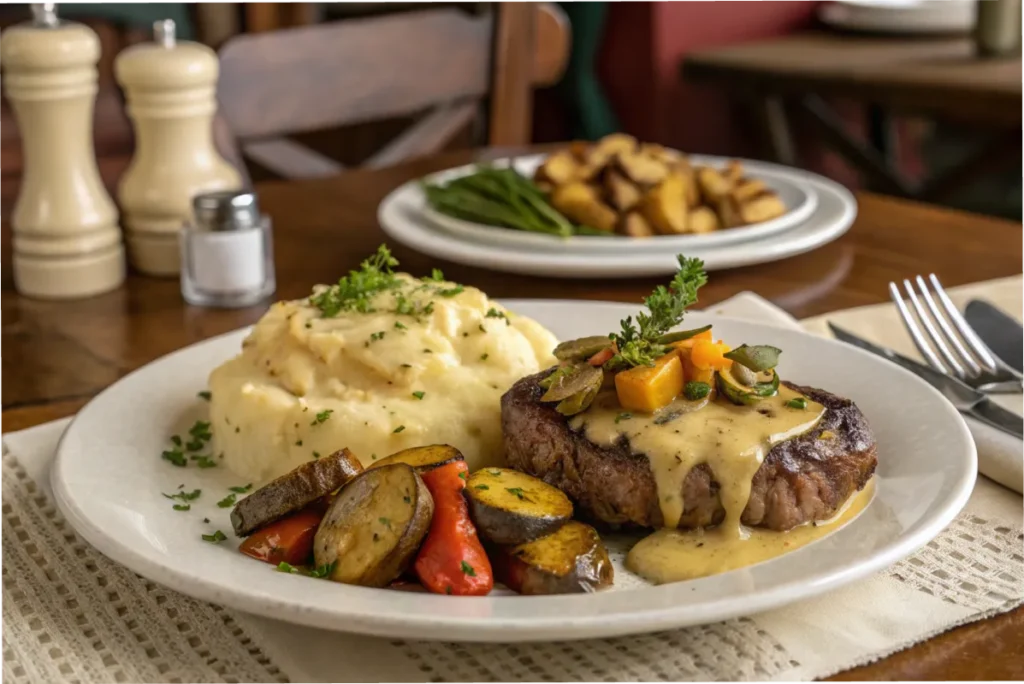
{"x":798,"y":196}
{"x":108,"y":477}
{"x":836,"y":208}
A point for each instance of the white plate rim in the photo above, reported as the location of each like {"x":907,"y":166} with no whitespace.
{"x":783,"y":179}
{"x":521,"y":629}
{"x":809,"y":235}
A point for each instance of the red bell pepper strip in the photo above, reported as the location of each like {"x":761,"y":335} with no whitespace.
{"x":289,"y":539}
{"x":602,"y":357}
{"x":452,"y":560}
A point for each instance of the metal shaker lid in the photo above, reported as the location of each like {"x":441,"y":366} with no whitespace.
{"x":226,"y":210}
{"x":44,"y":15}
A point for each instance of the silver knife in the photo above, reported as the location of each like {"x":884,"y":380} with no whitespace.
{"x":1000,"y":333}
{"x":964,"y":398}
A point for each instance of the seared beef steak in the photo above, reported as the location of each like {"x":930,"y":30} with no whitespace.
{"x":804,"y":479}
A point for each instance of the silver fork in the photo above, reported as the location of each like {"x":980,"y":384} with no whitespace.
{"x":978,"y":367}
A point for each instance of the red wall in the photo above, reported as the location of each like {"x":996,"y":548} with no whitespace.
{"x":644,"y":46}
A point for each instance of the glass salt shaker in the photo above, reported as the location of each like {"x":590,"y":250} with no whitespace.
{"x":227,"y":255}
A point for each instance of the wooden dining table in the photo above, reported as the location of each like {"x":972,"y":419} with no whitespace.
{"x":59,"y":354}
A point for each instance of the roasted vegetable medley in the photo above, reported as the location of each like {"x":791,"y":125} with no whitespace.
{"x":616,"y":186}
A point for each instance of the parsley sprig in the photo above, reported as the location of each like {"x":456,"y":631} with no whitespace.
{"x":356,"y":291}
{"x":638,"y":343}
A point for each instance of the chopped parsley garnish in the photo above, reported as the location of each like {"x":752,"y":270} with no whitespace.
{"x":206,"y":520}
{"x":468,"y":569}
{"x":494,"y":313}
{"x":419,"y":395}
{"x":316,"y":454}
{"x":377,"y":336}
{"x":637,"y":343}
{"x":214,"y":538}
{"x":481,"y":486}
{"x":356,"y":291}
{"x":482,"y":328}
{"x":798,"y":403}
{"x":398,"y":429}
{"x":462,"y":474}
{"x":175,"y":457}
{"x":287,"y":567}
{"x":241,"y":489}
{"x":451,"y":291}
{"x":386,"y":522}
{"x":323,"y":570}
{"x":204,"y":461}
{"x":322,"y":416}
{"x":227,"y":502}
{"x":623,"y":416}
{"x":517,"y":491}
{"x":298,"y":442}
{"x":201,"y":431}
{"x":483,"y":357}
{"x":436,"y":275}
{"x":407,"y":499}
{"x":204,"y":395}
{"x":400,"y":326}
{"x":182,"y":507}
{"x":428,"y":351}
{"x":185,"y":496}
{"x":176,"y":440}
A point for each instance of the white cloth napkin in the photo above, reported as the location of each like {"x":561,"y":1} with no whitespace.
{"x":80,"y":615}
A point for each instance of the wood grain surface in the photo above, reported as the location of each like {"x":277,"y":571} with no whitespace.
{"x":58,"y":354}
{"x":939,"y":76}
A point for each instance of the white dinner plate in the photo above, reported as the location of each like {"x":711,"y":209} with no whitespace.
{"x":799,"y":198}
{"x":902,"y":17}
{"x":108,"y":478}
{"x":836,"y":208}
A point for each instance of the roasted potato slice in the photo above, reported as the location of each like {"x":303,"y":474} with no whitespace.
{"x":747,"y":189}
{"x":666,"y":156}
{"x":371,"y":533}
{"x":582,"y":204}
{"x":733,"y":171}
{"x":690,"y":190}
{"x":558,"y":169}
{"x":571,"y":560}
{"x":607,"y":147}
{"x":713,"y":185}
{"x":635,"y":225}
{"x":579,"y":149}
{"x":762,"y":208}
{"x":728,"y":210}
{"x":510,"y":507}
{"x":293,"y":491}
{"x":704,"y":220}
{"x":621,"y":192}
{"x":641,"y":169}
{"x":424,"y":458}
{"x":664,"y":206}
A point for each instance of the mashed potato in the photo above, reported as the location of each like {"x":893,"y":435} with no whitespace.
{"x":307,"y":384}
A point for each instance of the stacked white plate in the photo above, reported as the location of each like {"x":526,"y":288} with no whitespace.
{"x":921,"y":17}
{"x":819,"y":211}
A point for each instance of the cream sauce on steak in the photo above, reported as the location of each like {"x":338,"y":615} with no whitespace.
{"x":733,"y":442}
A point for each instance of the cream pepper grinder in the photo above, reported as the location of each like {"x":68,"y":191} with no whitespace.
{"x":171,"y":93}
{"x":67,"y":243}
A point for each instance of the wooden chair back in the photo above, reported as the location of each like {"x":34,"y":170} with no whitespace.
{"x":442,"y":61}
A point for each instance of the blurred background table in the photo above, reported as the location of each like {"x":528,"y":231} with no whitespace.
{"x":789,"y":78}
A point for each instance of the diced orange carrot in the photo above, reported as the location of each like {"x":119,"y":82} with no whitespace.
{"x":710,"y":355}
{"x":601,"y":357}
{"x":647,"y":389}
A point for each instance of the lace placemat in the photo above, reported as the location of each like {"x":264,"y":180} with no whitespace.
{"x":72,"y":615}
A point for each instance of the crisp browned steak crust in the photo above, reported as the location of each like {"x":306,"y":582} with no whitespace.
{"x":801,"y":480}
